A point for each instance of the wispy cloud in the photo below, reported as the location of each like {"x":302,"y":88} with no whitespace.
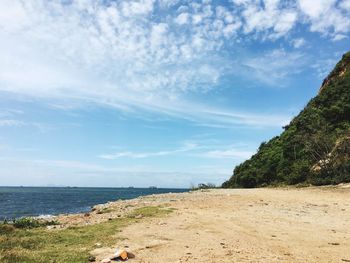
{"x":203,"y":149}
{"x":186,"y":148}
{"x":323,"y":66}
{"x":232,"y":154}
{"x":275,"y":65}
{"x":11,"y":123}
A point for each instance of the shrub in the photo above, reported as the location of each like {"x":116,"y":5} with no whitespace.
{"x":29,"y":222}
{"x":26,"y":222}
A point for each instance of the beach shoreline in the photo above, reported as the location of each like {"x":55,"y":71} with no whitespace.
{"x":288,"y":224}
{"x":233,"y":225}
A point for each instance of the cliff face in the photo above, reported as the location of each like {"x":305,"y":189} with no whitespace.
{"x":338,"y":72}
{"x":315,"y":146}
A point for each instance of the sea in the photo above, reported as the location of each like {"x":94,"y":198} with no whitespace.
{"x":18,"y":202}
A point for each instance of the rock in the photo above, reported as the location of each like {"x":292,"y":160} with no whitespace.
{"x":139,"y":216}
{"x":106,"y":260}
{"x":121,"y":253}
{"x":87,"y":214}
{"x":98,"y":244}
{"x":91,"y":259}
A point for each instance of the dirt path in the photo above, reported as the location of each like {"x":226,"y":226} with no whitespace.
{"x":257,"y":225}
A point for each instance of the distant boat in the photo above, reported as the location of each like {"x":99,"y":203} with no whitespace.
{"x":152,"y":187}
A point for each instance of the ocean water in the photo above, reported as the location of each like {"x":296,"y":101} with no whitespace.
{"x":42,"y":201}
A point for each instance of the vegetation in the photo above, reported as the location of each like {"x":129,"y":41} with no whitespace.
{"x":149,"y":211}
{"x":66,"y":245}
{"x":29,"y":222}
{"x":202,"y":186}
{"x":314,"y":148}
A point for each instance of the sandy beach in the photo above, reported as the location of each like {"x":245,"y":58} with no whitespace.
{"x":234,"y":225}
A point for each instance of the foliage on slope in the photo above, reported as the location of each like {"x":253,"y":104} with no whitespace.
{"x":314,"y":147}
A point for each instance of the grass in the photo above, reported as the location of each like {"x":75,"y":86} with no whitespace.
{"x":26,"y":222}
{"x":149,"y":211}
{"x":67,"y":245}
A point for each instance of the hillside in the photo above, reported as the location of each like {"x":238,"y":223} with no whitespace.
{"x":315,"y":146}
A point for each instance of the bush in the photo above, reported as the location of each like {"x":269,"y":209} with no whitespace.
{"x":203,"y":186}
{"x":26,"y":222}
{"x":29,"y":222}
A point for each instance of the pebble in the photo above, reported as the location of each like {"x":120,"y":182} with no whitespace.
{"x":91,"y":259}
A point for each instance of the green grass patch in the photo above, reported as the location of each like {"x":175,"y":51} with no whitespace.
{"x":71,"y":245}
{"x":149,"y":211}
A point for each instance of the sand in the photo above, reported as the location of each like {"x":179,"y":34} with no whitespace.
{"x":240,"y":225}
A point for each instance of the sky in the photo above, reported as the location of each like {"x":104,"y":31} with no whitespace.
{"x":167,"y":93}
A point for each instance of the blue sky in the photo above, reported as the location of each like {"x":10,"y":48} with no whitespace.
{"x":144,"y":92}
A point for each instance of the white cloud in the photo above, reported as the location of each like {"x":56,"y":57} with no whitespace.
{"x":315,"y":8}
{"x":325,"y":17}
{"x":339,"y":37}
{"x":124,"y":55}
{"x":182,"y":18}
{"x":132,"y":8}
{"x":271,"y":19}
{"x":11,"y":123}
{"x":298,"y":42}
{"x":275,"y":18}
{"x":345,"y":4}
{"x":12,"y":15}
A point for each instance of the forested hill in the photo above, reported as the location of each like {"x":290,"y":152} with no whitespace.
{"x":314,"y":148}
